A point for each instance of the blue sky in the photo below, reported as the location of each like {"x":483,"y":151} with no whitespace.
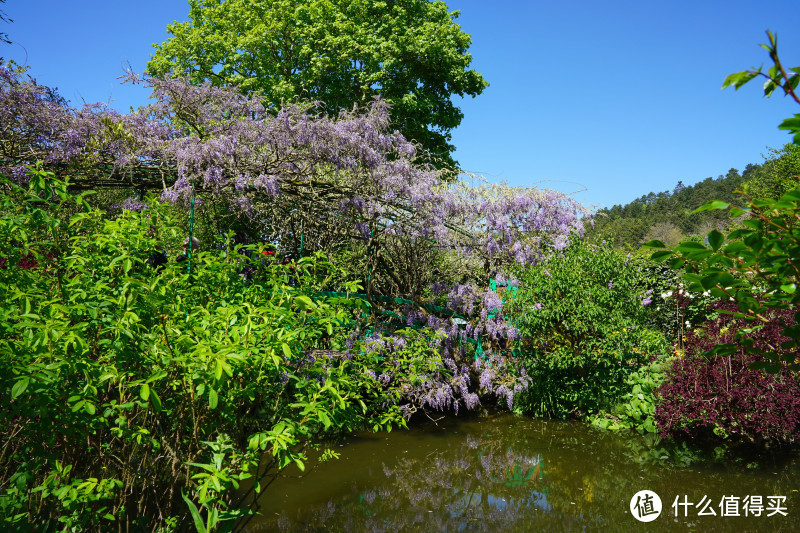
{"x":615,"y":98}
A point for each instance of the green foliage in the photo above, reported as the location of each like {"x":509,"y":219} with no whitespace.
{"x":755,"y":266}
{"x":636,"y":407}
{"x":582,"y":316}
{"x":341,"y":53}
{"x":780,"y":174}
{"x":126,"y":387}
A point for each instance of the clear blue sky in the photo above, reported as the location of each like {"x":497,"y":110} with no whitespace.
{"x":618,"y":97}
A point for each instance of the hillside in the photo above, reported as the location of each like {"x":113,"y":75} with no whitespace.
{"x":667,"y":215}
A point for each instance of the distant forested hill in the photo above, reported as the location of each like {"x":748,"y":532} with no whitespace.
{"x":668,"y":216}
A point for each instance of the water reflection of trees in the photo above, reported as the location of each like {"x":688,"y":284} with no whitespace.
{"x":515,"y":477}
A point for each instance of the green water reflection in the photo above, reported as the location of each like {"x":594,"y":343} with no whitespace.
{"x":505,"y":473}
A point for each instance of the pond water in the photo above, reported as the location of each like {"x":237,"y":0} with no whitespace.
{"x":506,"y":473}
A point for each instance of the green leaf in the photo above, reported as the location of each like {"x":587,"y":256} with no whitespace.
{"x":722,"y":350}
{"x":712,"y":205}
{"x":144,"y":392}
{"x":661,"y":255}
{"x":792,"y":196}
{"x":791,"y":124}
{"x":161,"y":374}
{"x":213,"y":399}
{"x":155,"y":400}
{"x":286,"y":350}
{"x":738,"y":79}
{"x":198,"y":520}
{"x":686,"y":247}
{"x":305,"y":302}
{"x":715,"y":239}
{"x":19,"y":387}
{"x":654,"y":244}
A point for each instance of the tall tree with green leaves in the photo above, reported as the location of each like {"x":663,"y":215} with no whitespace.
{"x":341,"y":53}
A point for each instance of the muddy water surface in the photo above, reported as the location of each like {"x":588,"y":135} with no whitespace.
{"x":506,"y":473}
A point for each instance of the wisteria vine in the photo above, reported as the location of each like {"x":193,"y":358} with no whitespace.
{"x":356,"y":182}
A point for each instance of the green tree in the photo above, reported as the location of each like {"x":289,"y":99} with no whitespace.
{"x":780,"y":174}
{"x":340,"y":53}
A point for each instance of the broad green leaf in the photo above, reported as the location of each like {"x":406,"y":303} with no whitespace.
{"x":19,"y":387}
{"x":715,"y":239}
{"x":144,"y":392}
{"x":213,"y":399}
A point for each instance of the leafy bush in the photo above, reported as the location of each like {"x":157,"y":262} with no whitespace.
{"x":580,"y":315}
{"x":143,"y":398}
{"x":636,"y":408}
{"x":723,"y":394}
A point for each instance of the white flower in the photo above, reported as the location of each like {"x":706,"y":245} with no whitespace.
{"x":688,"y":323}
{"x":666,"y":295}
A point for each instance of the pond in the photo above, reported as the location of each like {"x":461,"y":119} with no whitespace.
{"x":505,"y":473}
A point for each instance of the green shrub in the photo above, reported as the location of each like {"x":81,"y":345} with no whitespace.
{"x":140,"y":399}
{"x":582,"y":316}
{"x":635,"y":408}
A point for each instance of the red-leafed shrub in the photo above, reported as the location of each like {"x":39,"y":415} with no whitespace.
{"x":722,"y":394}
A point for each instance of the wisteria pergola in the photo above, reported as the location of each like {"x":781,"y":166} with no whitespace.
{"x":348,"y":186}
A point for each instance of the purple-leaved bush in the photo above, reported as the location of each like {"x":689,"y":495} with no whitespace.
{"x":722,"y":394}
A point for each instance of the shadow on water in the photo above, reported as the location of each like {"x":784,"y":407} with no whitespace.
{"x":506,"y":473}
